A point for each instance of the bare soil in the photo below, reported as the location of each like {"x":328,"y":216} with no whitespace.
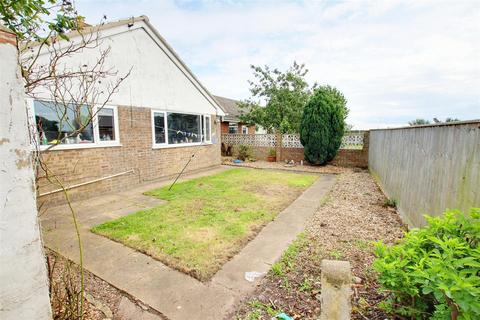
{"x":103,"y":299}
{"x":344,"y":228}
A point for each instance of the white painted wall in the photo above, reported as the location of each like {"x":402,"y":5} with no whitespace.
{"x":23,"y":276}
{"x":157,"y":80}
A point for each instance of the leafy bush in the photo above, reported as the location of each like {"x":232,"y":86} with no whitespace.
{"x":434,"y":272}
{"x":244,"y":152}
{"x":323,"y":125}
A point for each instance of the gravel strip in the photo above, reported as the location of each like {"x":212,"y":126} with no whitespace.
{"x":282,"y":166}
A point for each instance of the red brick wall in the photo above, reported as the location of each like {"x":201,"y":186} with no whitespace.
{"x":225,"y":124}
{"x":224,"y":127}
{"x":81,"y":165}
{"x":344,"y":158}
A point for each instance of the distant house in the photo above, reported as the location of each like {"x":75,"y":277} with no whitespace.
{"x":230,"y":123}
{"x":160,"y":116}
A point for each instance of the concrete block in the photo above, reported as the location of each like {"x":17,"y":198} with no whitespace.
{"x":336,"y":290}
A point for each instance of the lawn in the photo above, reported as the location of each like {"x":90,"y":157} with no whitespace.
{"x":207,"y":220}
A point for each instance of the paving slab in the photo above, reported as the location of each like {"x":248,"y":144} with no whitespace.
{"x":170,"y":292}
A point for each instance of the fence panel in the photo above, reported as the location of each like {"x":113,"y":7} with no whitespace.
{"x":254,"y":140}
{"x":351,"y":140}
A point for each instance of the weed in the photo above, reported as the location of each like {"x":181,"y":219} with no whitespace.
{"x":390,"y":202}
{"x":277,"y":269}
{"x":288,"y":259}
{"x":337,"y":255}
{"x":364,"y":245}
{"x":306,"y":285}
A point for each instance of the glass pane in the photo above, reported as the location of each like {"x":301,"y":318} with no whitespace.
{"x":207,"y":128}
{"x":58,"y":123}
{"x":183,"y":128}
{"x":232,"y":128}
{"x":106,"y":124}
{"x":203,"y":128}
{"x":159,"y":122}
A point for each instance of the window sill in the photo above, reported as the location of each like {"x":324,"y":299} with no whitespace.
{"x":181,"y":145}
{"x":78,"y":146}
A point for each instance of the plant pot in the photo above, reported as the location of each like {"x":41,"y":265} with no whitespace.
{"x":272,"y":159}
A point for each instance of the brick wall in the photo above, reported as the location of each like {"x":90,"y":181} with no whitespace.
{"x":345,"y":157}
{"x":225,"y":125}
{"x":82,"y":165}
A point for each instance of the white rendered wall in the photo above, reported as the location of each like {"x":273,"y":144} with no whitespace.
{"x":23,"y":275}
{"x":156,"y":81}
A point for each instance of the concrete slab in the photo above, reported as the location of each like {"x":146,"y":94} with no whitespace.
{"x":170,"y":292}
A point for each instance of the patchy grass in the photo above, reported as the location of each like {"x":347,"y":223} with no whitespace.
{"x":207,"y":220}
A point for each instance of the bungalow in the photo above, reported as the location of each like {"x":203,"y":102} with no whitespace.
{"x":231,"y":123}
{"x":158,"y":119}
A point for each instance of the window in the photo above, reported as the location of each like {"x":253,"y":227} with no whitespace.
{"x":106,"y":124}
{"x":244,"y":129}
{"x":159,"y":127}
{"x":206,"y":125}
{"x":232,"y":128}
{"x":173,"y":128}
{"x":70,"y":126}
{"x":183,"y":128}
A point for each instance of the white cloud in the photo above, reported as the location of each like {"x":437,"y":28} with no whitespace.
{"x":394,"y":60}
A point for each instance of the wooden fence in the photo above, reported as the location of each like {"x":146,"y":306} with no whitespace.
{"x":428,"y":169}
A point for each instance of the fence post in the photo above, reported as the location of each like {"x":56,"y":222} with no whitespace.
{"x":366,"y":140}
{"x":279,"y":145}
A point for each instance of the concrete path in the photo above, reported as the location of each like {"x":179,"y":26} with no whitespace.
{"x":168,"y":291}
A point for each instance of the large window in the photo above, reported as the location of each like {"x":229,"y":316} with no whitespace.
{"x":173,"y":128}
{"x":73,"y":126}
{"x":183,"y":128}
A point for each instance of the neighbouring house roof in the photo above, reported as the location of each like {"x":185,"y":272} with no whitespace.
{"x":230,"y":107}
{"x":130,"y":22}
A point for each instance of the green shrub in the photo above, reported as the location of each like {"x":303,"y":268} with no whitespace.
{"x":323,"y":125}
{"x":434,"y":272}
{"x":244,"y":152}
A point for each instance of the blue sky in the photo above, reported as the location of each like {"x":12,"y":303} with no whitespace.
{"x":394,"y":60}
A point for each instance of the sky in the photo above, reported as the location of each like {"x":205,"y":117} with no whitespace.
{"x":395,"y":61}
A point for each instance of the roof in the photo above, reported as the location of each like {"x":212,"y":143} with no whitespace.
{"x":229,"y":106}
{"x":130,"y":22}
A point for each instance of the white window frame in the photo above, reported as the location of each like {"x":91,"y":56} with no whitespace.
{"x":179,"y":145}
{"x":96,"y":133}
{"x":246,"y":129}
{"x":164,"y":144}
{"x":205,"y":116}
